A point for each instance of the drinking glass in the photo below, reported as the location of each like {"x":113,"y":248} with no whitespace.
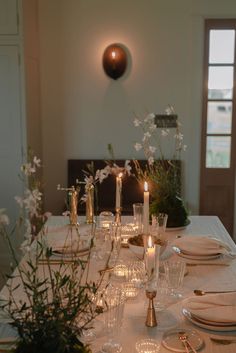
{"x":115,"y":236}
{"x":158,"y":227}
{"x":138,"y":217}
{"x":114,"y":299}
{"x":175,"y":271}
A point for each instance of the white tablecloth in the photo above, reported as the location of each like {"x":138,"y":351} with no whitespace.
{"x":198,"y":277}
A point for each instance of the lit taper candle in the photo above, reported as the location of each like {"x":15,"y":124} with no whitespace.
{"x":146,"y":209}
{"x":150,"y":258}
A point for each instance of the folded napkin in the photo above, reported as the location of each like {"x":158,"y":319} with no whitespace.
{"x":218,"y":308}
{"x":201,"y":245}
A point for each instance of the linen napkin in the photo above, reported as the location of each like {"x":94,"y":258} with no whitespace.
{"x":218,"y":308}
{"x":201,"y":245}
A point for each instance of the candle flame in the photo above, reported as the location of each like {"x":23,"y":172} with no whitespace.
{"x":149,"y":242}
{"x":120,"y":175}
{"x":145,"y":186}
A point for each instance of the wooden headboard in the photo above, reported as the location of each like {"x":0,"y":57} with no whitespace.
{"x":132,"y":191}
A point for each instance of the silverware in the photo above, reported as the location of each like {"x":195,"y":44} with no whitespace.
{"x":224,"y":341}
{"x":202,"y":292}
{"x":184,"y":339}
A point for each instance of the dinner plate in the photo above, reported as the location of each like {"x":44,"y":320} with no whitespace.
{"x":212,"y":323}
{"x":81,"y":252}
{"x":180,"y":253}
{"x":187,"y":314}
{"x":199,"y":257}
{"x":172,"y":342}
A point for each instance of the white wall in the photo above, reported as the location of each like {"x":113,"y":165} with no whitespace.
{"x":83,"y":110}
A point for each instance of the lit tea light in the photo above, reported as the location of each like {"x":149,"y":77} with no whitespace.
{"x":120,"y":270}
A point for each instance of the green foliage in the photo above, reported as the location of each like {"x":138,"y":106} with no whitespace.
{"x":57,"y":305}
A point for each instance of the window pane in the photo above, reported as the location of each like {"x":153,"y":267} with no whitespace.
{"x":220,"y":82}
{"x":221,"y":49}
{"x":219,"y":117}
{"x":218,"y":152}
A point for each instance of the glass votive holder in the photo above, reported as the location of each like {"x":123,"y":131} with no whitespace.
{"x":120,"y":270}
{"x":128,"y":230}
{"x":136,"y":273}
{"x":147,"y":345}
{"x":131,"y":291}
{"x":105,"y":219}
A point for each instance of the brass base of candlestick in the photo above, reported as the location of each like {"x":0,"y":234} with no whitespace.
{"x":118,"y":215}
{"x":90,"y":221}
{"x":151,"y":315}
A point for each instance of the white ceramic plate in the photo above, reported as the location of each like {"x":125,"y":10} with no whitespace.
{"x":81,"y":252}
{"x":196,"y":322}
{"x":199,"y":257}
{"x":172,"y":342}
{"x":211,"y":323}
{"x":179,"y":252}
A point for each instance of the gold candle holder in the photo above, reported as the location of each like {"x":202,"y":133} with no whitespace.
{"x":90,"y":204}
{"x":118,"y":215}
{"x":151,"y":315}
{"x":73,"y":202}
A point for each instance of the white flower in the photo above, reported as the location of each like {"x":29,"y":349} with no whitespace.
{"x":20,"y":201}
{"x":146,"y":136}
{"x":152,"y":149}
{"x":88,"y":180}
{"x":179,"y":136}
{"x":4,"y":219}
{"x":37,"y":161}
{"x":152,"y":127}
{"x":84,"y":198}
{"x":128,"y":167}
{"x":102,"y":174}
{"x":165,"y":132}
{"x":137,"y":122}
{"x":150,"y":160}
{"x":149,"y":117}
{"x":169,"y":110}
{"x":138,"y":146}
{"x":25,"y":246}
{"x":66,"y":213}
{"x":28,"y":169}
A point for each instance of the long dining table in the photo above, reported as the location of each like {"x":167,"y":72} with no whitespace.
{"x":206,"y":277}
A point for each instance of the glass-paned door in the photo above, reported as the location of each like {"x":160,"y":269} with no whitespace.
{"x":218,"y":160}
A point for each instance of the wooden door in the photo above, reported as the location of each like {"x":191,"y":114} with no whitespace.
{"x":218,"y":123}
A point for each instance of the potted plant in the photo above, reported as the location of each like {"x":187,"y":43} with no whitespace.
{"x":163,"y":173}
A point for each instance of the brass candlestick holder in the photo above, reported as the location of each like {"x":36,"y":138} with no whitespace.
{"x":118,"y":215}
{"x":151,"y":315}
{"x":90,"y":204}
{"x":73,"y":202}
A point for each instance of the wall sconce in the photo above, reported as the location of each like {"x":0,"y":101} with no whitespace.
{"x":114,"y":61}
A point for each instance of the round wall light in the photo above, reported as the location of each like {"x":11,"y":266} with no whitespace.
{"x":114,"y":61}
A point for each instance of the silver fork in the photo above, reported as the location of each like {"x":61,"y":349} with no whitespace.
{"x":184,"y":339}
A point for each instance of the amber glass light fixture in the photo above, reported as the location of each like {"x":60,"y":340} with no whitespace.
{"x":114,"y":61}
